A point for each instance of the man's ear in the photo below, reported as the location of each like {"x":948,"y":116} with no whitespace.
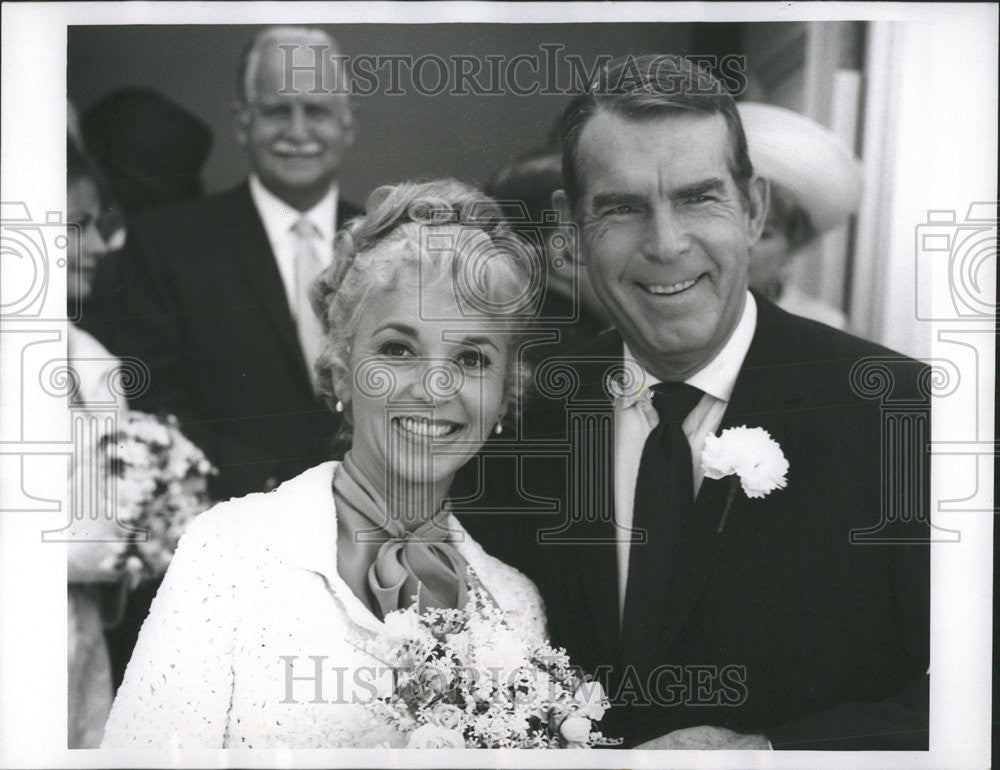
{"x":759,"y":197}
{"x":574,"y":250}
{"x":241,"y":121}
{"x":347,"y":122}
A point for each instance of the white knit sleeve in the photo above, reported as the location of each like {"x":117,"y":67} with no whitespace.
{"x":178,"y":685}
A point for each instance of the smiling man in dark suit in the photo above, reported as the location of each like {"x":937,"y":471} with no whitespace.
{"x":212,"y":294}
{"x":717,"y":619}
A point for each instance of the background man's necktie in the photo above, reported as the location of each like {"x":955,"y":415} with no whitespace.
{"x":308,"y":266}
{"x":664,"y":498}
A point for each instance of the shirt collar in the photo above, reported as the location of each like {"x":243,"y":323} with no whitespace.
{"x":278,"y":217}
{"x":717,"y":378}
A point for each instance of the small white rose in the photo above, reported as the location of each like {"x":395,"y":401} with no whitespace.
{"x":590,"y":700}
{"x":446,"y":715}
{"x":575,"y":729}
{"x":435,"y":737}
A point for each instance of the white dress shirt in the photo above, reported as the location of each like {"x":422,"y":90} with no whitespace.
{"x":279,"y":218}
{"x":635,"y":419}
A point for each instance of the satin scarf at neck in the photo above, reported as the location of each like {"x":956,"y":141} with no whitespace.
{"x":419,"y":565}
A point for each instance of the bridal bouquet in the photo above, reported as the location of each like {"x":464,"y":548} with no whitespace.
{"x":159,"y":485}
{"x":467,"y":679}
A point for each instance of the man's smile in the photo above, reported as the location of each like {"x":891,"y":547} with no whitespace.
{"x":669,"y":290}
{"x":290,"y":150}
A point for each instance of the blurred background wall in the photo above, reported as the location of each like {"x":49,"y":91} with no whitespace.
{"x":398,"y":136}
{"x":924,"y":127}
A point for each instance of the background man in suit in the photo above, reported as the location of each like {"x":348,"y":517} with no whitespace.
{"x":212,"y":294}
{"x":795,"y":620}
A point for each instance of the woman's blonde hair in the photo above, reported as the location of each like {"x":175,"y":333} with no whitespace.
{"x":494,"y":273}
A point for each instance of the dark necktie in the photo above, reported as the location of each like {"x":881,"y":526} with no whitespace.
{"x":664,"y":498}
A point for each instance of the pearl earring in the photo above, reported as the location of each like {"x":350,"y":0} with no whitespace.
{"x":498,"y":429}
{"x":339,"y":406}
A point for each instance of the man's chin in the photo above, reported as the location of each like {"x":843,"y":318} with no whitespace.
{"x":296,"y":188}
{"x":682,"y":350}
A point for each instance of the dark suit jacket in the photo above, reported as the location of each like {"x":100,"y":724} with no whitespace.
{"x":197,"y":296}
{"x":807,"y":618}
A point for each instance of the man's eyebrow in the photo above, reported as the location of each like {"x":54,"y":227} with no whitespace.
{"x":600,"y":200}
{"x":695,"y":189}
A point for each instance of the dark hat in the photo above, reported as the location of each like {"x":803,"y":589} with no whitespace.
{"x":151,"y":149}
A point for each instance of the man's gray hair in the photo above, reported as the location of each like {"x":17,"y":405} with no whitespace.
{"x":273,"y":37}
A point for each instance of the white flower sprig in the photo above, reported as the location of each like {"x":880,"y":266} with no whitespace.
{"x":160,"y":486}
{"x":751,"y":457}
{"x":470,"y":678}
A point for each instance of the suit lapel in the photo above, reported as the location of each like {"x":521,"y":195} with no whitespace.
{"x":596,"y":563}
{"x":251,"y":253}
{"x":345,"y":211}
{"x":768,"y":390}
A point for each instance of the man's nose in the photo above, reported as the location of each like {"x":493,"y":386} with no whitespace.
{"x":666,"y":235}
{"x":93,"y":244}
{"x":298,"y":124}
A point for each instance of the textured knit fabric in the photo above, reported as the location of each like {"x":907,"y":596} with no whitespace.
{"x":251,"y":610}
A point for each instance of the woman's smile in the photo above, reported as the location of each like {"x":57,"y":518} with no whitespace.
{"x":423,"y":427}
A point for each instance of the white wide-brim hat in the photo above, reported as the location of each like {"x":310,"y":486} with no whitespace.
{"x":809,"y":162}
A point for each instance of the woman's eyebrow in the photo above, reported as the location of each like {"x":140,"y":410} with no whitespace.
{"x":475,"y":341}
{"x":396,"y":326}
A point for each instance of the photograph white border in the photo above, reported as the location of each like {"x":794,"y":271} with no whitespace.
{"x":33,"y":577}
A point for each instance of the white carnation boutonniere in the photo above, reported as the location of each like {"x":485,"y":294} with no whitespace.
{"x":753,"y":459}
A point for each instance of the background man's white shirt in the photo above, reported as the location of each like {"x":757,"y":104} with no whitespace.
{"x":635,"y":419}
{"x":279,"y":218}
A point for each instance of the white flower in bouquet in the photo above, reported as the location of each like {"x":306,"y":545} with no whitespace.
{"x":151,"y":432}
{"x":499,"y":654}
{"x":461,"y":642}
{"x":425,"y":684}
{"x":159,"y":484}
{"x":470,"y":676}
{"x":431,"y":736}
{"x":134,"y":454}
{"x":532,"y":687}
{"x":401,"y":625}
{"x":575,"y":729}
{"x":590,"y":700}
{"x":447,"y":715}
